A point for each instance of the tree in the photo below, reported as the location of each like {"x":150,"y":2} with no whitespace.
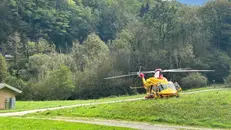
{"x":91,"y":53}
{"x":40,"y":65}
{"x":219,"y":61}
{"x":162,"y":18}
{"x":183,"y":56}
{"x":42,"y":46}
{"x":194,"y":80}
{"x":3,"y":68}
{"x":144,"y":9}
{"x":92,"y":61}
{"x":217,"y":16}
{"x":59,"y":85}
{"x":37,"y":66}
{"x":9,"y":19}
{"x":16,"y":46}
{"x":121,"y":50}
{"x":111,"y":21}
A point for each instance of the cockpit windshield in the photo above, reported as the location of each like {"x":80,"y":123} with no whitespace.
{"x":171,"y":86}
{"x":166,"y":86}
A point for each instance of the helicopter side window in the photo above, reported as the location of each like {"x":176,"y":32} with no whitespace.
{"x":165,"y":86}
{"x":155,"y":89}
{"x":177,"y":86}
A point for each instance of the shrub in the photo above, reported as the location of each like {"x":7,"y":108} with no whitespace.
{"x":194,"y":80}
{"x":228,"y":81}
{"x":3,"y":68}
{"x":59,"y":84}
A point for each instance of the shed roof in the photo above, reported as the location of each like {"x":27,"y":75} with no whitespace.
{"x":2,"y":85}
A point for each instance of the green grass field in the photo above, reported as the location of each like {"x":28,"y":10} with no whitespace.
{"x":12,"y":123}
{"x":216,"y":86}
{"x":30,"y":105}
{"x":207,"y":109}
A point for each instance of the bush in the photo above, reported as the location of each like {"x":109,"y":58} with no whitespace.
{"x":194,"y":80}
{"x":15,"y":82}
{"x":3,"y":68}
{"x":58,"y":86}
{"x":228,"y":81}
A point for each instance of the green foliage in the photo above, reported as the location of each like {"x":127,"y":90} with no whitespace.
{"x":217,"y":16}
{"x":194,"y":80}
{"x":60,"y":22}
{"x":96,"y":50}
{"x":37,"y":65}
{"x":15,"y":82}
{"x":42,"y":46}
{"x":183,"y":56}
{"x":20,"y":84}
{"x":220,"y":62}
{"x":58,"y":85}
{"x":228,"y":81}
{"x":123,"y":42}
{"x":121,"y":50}
{"x":40,"y":64}
{"x":3,"y":68}
{"x":100,"y":38}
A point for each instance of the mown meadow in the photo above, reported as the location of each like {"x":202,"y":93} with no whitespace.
{"x":206,"y":109}
{"x":13,"y":123}
{"x":30,"y":105}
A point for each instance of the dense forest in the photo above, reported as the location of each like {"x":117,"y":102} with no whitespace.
{"x":62,"y":49}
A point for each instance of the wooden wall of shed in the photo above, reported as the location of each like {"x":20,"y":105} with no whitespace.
{"x":5,"y":93}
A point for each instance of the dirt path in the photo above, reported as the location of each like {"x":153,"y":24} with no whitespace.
{"x":128,"y":124}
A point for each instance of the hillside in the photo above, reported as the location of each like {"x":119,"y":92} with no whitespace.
{"x":63,"y":49}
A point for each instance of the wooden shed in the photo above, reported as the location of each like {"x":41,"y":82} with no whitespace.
{"x":7,"y":96}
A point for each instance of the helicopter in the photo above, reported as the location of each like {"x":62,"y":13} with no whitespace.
{"x":158,"y":86}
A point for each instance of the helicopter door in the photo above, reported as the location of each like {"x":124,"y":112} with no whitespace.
{"x":160,"y":87}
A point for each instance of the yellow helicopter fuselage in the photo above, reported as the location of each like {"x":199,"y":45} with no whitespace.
{"x":154,"y":81}
{"x":160,"y":87}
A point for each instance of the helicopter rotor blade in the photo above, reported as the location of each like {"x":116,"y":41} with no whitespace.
{"x":139,"y":70}
{"x":135,"y":87}
{"x":126,"y":75}
{"x":152,"y":72}
{"x":175,"y":70}
{"x":144,"y":72}
{"x":179,"y":70}
{"x":121,"y":76}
